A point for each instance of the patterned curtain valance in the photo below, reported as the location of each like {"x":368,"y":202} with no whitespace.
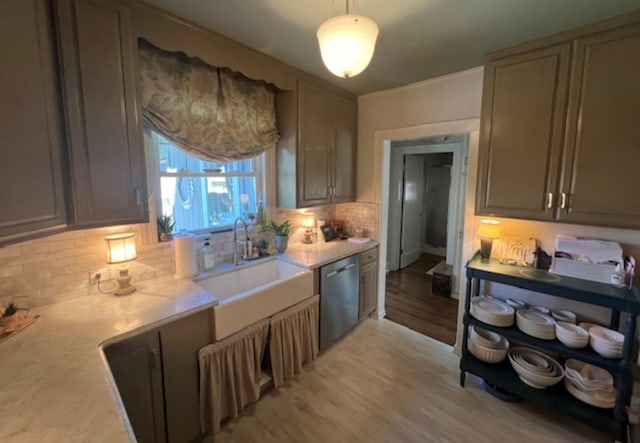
{"x":212,"y":113}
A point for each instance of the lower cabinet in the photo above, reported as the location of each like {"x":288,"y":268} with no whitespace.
{"x":158,"y":379}
{"x":368,"y":282}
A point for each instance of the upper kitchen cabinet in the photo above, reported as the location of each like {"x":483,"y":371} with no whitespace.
{"x":523,"y":111}
{"x":316,"y":151}
{"x":559,"y":140}
{"x":97,"y":50}
{"x":601,"y":179}
{"x":32,"y":141}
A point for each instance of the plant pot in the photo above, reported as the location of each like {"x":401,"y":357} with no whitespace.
{"x":7,"y":321}
{"x":164,"y":237}
{"x":281,"y":243}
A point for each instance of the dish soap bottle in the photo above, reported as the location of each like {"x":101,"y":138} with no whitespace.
{"x":206,"y":257}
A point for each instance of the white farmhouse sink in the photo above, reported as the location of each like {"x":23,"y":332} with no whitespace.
{"x":252,"y":292}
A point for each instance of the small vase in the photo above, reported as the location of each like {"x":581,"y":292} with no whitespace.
{"x":281,"y":243}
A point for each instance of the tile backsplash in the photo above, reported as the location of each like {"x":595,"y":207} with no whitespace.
{"x":58,"y":267}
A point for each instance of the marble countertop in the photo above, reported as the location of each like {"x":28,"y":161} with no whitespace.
{"x":321,"y":253}
{"x":55,"y":383}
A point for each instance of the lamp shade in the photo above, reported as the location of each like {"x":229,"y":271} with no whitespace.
{"x":308,"y":221}
{"x":489,"y":229}
{"x":121,"y":247}
{"x":347,"y":43}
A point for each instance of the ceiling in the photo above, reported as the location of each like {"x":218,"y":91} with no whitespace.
{"x":419,"y":39}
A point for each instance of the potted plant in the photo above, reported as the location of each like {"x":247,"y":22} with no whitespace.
{"x":165,"y":227}
{"x":282,"y":232}
{"x":8,"y":316}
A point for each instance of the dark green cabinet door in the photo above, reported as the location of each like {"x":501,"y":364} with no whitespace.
{"x":523,"y":112}
{"x":105,"y":141}
{"x":181,"y":340}
{"x":136,"y":367}
{"x":31,"y":139}
{"x":601,"y":182}
{"x":345,"y":126}
{"x":314,"y":149}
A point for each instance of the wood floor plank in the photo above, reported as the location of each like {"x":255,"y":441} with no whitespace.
{"x":385,"y":383}
{"x":409,"y":301}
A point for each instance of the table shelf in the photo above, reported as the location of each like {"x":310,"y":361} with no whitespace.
{"x":557,"y":398}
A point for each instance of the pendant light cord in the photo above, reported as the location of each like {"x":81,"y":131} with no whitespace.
{"x":356,"y":8}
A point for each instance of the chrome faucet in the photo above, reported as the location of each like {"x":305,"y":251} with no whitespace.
{"x":236,"y":241}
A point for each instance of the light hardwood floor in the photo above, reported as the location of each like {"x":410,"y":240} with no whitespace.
{"x":387,"y":383}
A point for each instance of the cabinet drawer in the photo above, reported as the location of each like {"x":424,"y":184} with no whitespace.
{"x":369,"y":256}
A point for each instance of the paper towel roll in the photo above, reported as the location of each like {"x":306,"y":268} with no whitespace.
{"x":185,"y":250}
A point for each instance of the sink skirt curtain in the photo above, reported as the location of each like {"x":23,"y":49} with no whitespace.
{"x":294,"y":339}
{"x":230,"y":375}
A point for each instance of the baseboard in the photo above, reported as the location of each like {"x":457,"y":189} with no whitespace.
{"x":428,"y":249}
{"x":378,"y":315}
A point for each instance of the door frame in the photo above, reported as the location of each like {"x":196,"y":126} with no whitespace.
{"x":382,"y":157}
{"x":455,"y":217}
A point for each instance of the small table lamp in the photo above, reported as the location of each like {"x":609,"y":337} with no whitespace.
{"x":121,"y":248}
{"x":488,"y":230}
{"x":308,"y":222}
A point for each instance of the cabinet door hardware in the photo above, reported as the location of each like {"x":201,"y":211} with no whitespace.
{"x":563,"y":200}
{"x":153,"y":357}
{"x":549,"y":200}
{"x":137,"y":194}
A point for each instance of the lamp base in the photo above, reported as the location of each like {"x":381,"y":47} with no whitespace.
{"x":124,"y":282}
{"x":308,"y":237}
{"x":485,"y":247}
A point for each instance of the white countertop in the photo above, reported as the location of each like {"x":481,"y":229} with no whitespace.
{"x":54,"y":382}
{"x":320,"y":253}
{"x":55,"y":385}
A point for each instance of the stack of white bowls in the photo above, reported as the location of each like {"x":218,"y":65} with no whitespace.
{"x":486,"y":345}
{"x":590,"y":384}
{"x":606,"y":342}
{"x":563,"y":315}
{"x":535,"y":368}
{"x":492,"y":311}
{"x":571,"y":335}
{"x":536,"y":324}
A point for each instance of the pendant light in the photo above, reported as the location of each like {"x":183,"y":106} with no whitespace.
{"x":347,"y":43}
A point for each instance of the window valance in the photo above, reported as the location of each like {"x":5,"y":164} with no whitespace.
{"x":213,"y":113}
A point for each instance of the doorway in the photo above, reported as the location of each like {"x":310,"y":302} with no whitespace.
{"x":425,"y":217}
{"x":426,"y":199}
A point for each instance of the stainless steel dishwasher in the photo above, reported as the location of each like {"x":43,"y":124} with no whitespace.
{"x":339,"y":295}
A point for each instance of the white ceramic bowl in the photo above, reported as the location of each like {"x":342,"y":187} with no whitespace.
{"x":562,"y":315}
{"x":605,"y":351}
{"x":542,"y":309}
{"x":534,"y":379}
{"x":587,"y":325}
{"x":487,"y":339}
{"x":614,"y":338}
{"x":489,"y":355}
{"x":571,"y":335}
{"x":516,"y":304}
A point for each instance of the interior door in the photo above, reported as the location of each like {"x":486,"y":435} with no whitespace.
{"x":412,"y":221}
{"x":437,"y":211}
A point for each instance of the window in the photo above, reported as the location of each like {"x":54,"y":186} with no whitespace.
{"x":202,"y":195}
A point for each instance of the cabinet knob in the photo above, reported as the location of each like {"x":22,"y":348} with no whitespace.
{"x":549,"y":200}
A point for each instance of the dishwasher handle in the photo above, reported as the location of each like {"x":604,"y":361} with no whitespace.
{"x":338,"y":271}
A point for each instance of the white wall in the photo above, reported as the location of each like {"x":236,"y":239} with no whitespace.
{"x":424,"y":107}
{"x":451,"y":97}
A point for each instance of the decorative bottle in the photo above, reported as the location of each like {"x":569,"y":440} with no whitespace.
{"x":206,"y":257}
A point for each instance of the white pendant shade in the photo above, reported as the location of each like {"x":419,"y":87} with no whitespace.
{"x":347,"y":43}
